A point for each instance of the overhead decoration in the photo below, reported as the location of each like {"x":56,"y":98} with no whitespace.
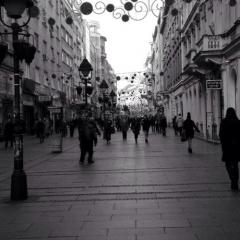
{"x":127,"y":9}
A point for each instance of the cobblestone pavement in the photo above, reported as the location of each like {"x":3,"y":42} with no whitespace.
{"x":132,"y":192}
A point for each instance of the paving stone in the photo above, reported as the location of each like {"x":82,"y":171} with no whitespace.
{"x":109,"y":224}
{"x":144,"y":192}
{"x":163,"y":223}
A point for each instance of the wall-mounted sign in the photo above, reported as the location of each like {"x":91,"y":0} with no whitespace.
{"x":44,"y":98}
{"x":55,"y":109}
{"x":214,"y":84}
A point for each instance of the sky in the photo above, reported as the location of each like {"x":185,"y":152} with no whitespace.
{"x":128,"y":43}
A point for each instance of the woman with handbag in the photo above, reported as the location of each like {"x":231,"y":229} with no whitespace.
{"x":230,"y":140}
{"x":188,"y":127}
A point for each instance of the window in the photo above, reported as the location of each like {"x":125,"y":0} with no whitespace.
{"x":58,"y":58}
{"x":63,"y":56}
{"x":36,"y":38}
{"x":57,"y":6}
{"x":52,"y":54}
{"x":36,"y":75}
{"x":44,"y":47}
{"x":45,"y":78}
{"x":57,"y":28}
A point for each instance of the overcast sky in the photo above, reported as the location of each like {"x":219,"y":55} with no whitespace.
{"x":128,"y":44}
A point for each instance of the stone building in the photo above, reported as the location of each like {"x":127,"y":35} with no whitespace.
{"x":157,"y":66}
{"x":6,"y":79}
{"x":201,"y":61}
{"x":51,"y":78}
{"x":171,"y":63}
{"x":210,"y":34}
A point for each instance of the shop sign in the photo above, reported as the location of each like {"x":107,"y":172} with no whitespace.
{"x":214,"y":84}
{"x":55,"y":109}
{"x":44,"y":98}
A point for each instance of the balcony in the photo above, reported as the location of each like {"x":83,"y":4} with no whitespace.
{"x":211,"y":43}
{"x":210,"y":47}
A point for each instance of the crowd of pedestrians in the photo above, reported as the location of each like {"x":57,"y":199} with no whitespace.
{"x":88,"y":130}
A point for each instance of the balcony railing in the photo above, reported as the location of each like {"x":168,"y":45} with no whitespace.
{"x":211,"y":43}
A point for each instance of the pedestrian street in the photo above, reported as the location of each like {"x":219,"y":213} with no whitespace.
{"x":132,"y":191}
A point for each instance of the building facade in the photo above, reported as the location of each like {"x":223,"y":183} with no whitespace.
{"x":63,"y":39}
{"x":171,"y":63}
{"x":201,"y":61}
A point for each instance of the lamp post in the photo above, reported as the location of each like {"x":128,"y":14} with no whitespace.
{"x":104,"y":88}
{"x":22,"y":50}
{"x":85,"y":69}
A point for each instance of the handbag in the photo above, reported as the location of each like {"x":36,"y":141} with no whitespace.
{"x":112,"y":130}
{"x":183,"y":136}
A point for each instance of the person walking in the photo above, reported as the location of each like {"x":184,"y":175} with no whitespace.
{"x":124,"y":125}
{"x":158,"y":120}
{"x":47,"y":127}
{"x":174,"y":123}
{"x":40,"y":130}
{"x":163,"y":124}
{"x":230,"y":140}
{"x":135,"y":127}
{"x":107,"y":128}
{"x":88,"y":130}
{"x":179,"y":122}
{"x":153,"y":123}
{"x":72,"y":124}
{"x":188,"y":127}
{"x":8,"y":133}
{"x":145,"y":126}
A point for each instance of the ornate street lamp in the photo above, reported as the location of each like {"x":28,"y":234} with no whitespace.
{"x":85,"y":69}
{"x":22,"y":51}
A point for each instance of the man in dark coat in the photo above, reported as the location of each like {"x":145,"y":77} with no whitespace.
{"x":108,"y":129}
{"x":124,"y":123}
{"x":72,"y":124}
{"x":163,"y":124}
{"x":40,"y":129}
{"x":8,"y":133}
{"x":230,"y":140}
{"x":145,"y":126}
{"x":188,"y":127}
{"x":88,"y":131}
{"x":136,"y":126}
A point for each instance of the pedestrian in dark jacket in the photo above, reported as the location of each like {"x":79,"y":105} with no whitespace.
{"x":230,"y":140}
{"x":8,"y":133}
{"x":188,"y":127}
{"x":72,"y":125}
{"x":163,"y":124}
{"x":174,"y":123}
{"x":40,"y":130}
{"x":124,"y":125}
{"x":108,"y":128}
{"x":88,"y":131}
{"x":153,"y":123}
{"x":136,"y":126}
{"x":145,"y":126}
